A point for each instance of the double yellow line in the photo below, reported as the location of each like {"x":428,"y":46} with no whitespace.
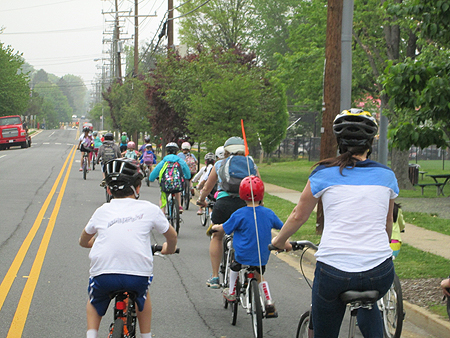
{"x":23,"y":307}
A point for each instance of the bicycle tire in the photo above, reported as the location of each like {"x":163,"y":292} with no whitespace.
{"x":174,"y":210}
{"x":147,"y":178}
{"x":117,"y":329}
{"x":187,"y":194}
{"x":235,"y":305}
{"x":94,"y":158}
{"x":204,"y":217}
{"x":303,"y":326}
{"x":84,"y":167}
{"x":255,"y":309}
{"x":392,"y":310}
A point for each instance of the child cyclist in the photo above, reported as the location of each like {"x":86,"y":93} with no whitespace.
{"x":245,"y":243}
{"x":121,"y":256}
{"x":131,"y":151}
{"x":171,"y":157}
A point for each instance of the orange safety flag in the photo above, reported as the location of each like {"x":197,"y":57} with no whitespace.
{"x":245,"y":139}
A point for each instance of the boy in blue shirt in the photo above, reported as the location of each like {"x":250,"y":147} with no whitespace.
{"x":242,"y":224}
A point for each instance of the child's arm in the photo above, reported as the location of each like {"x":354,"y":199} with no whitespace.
{"x":218,"y":228}
{"x":170,"y":245}
{"x":86,"y":240}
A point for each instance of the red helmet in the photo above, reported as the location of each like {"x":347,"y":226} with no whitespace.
{"x":257,"y":186}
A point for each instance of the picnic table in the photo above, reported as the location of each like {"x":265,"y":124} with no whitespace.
{"x":440,"y":185}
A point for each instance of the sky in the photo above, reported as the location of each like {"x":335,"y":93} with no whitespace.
{"x":65,"y":36}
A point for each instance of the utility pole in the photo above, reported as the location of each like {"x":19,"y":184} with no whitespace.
{"x":170,"y":26}
{"x":331,"y":89}
{"x":136,"y":40}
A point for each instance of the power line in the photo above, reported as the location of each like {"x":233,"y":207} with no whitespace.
{"x":43,"y":5}
{"x":70,"y":30}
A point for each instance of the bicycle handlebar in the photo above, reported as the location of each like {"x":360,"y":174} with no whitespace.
{"x":158,"y":248}
{"x":297,"y":245}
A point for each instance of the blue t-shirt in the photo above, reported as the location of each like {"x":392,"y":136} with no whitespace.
{"x":242,"y":223}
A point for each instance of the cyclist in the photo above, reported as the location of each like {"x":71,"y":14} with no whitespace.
{"x":123,"y":142}
{"x":85,"y":145}
{"x":190,"y":160}
{"x":97,"y":143}
{"x":148,"y":157}
{"x":358,"y":201}
{"x":242,"y":224}
{"x":227,"y":201}
{"x":146,"y":141}
{"x":107,"y":152}
{"x":121,"y":257}
{"x":131,"y":152}
{"x":171,"y":150}
{"x":210,"y":159}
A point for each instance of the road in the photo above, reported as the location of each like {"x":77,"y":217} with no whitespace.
{"x":44,"y":206}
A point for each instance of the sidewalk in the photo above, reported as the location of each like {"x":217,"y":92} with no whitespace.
{"x":417,"y":237}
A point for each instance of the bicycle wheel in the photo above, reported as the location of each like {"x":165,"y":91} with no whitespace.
{"x":391,"y":307}
{"x":187,"y":194}
{"x":255,"y":309}
{"x":235,"y":305}
{"x":204,"y":217}
{"x":94,"y":158}
{"x":147,"y":177}
{"x":85,"y":168}
{"x":303,"y":326}
{"x":174,"y":211}
{"x":117,"y":329}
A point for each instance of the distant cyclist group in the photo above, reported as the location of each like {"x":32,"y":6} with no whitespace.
{"x":354,"y":253}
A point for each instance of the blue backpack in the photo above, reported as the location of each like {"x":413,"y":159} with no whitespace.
{"x":234,"y":170}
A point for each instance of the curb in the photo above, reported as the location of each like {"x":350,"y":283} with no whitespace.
{"x":419,"y":316}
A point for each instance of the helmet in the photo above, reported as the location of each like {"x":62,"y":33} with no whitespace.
{"x":95,"y":133}
{"x":220,"y":153}
{"x":251,"y":184}
{"x":186,"y":145}
{"x":355,"y":127}
{"x":124,"y":133}
{"x":109,"y":137}
{"x":86,"y":129}
{"x":234,"y":145}
{"x":122,"y":173}
{"x":147,"y":139}
{"x":131,"y":145}
{"x":171,"y":148}
{"x":148,"y":145}
{"x":210,"y":156}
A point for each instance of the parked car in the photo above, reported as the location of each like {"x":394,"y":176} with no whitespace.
{"x":13,"y":132}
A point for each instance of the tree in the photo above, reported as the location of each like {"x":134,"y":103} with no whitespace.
{"x":58,"y":101}
{"x":14,"y":90}
{"x":75,"y":90}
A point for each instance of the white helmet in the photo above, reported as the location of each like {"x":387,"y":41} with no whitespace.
{"x":220,"y":153}
{"x":186,"y":145}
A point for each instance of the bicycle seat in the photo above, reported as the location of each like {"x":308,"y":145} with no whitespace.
{"x":131,"y":294}
{"x":364,"y":297}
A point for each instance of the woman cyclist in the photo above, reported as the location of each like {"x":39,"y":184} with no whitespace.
{"x":86,"y":144}
{"x":358,"y":201}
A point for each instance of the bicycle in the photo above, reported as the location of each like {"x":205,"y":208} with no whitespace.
{"x":205,"y":217}
{"x":173,"y":211}
{"x":186,"y":194}
{"x":247,"y":290}
{"x":85,"y":164}
{"x":124,"y":324}
{"x":390,"y":305}
{"x":94,"y":158}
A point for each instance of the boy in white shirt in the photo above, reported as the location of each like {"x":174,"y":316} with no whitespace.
{"x":121,"y":254}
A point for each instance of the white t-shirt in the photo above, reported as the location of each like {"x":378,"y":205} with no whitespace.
{"x":123,"y":243}
{"x":355,"y":205}
{"x":206,"y":173}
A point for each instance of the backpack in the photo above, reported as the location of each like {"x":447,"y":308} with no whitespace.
{"x":108,"y":152}
{"x":148,"y":157}
{"x":131,"y":154}
{"x":123,"y":139}
{"x":172,"y":177}
{"x":233,"y":171}
{"x":88,"y":144}
{"x":191,"y":163}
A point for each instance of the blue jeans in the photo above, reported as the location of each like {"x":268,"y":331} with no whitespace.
{"x":327,"y":308}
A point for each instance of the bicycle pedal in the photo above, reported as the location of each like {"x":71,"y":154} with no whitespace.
{"x":272,"y":315}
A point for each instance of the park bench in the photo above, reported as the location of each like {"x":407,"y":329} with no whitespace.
{"x":439,"y":187}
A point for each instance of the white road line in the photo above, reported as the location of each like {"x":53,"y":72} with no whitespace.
{"x":51,"y":134}
{"x":46,"y":143}
{"x":2,"y":156}
{"x":57,"y":143}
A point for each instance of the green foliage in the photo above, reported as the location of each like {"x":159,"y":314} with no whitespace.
{"x":14,"y":90}
{"x":428,"y":221}
{"x":54,"y":99}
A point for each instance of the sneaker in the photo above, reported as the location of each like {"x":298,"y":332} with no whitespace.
{"x":81,"y":169}
{"x":192,"y":192}
{"x":200,"y":212}
{"x":229,"y":297}
{"x":103,"y":183}
{"x":181,"y":209}
{"x":271,"y":312}
{"x":213,"y":282}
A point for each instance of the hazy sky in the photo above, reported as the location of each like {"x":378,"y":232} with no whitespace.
{"x":65,"y":36}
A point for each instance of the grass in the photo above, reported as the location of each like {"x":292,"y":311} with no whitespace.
{"x":411,"y":262}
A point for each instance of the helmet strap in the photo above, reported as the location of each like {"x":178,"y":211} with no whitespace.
{"x":136,"y":195}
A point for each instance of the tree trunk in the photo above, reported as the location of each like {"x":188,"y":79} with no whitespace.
{"x":400,"y":166}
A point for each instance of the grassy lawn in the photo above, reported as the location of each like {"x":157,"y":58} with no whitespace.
{"x":411,"y":262}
